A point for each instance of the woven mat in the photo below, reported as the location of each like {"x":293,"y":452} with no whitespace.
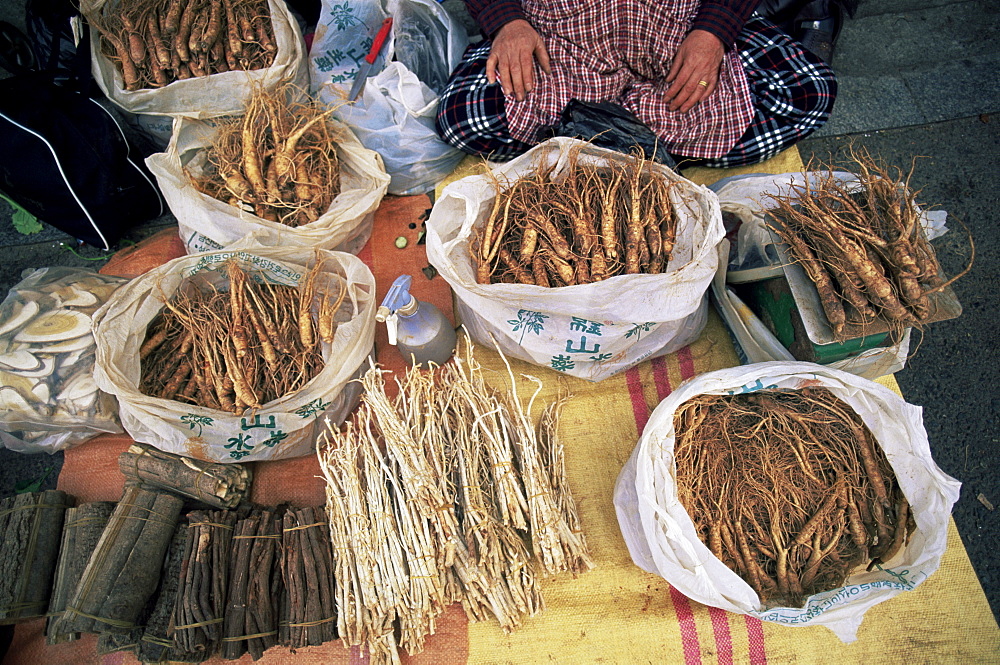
{"x":616,"y":613}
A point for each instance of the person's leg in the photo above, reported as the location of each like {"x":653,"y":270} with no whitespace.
{"x":471,"y":113}
{"x":793,"y":92}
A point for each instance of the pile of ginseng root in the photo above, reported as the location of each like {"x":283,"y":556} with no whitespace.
{"x":156,"y":42}
{"x":278,"y":160}
{"x":788,"y":488}
{"x":862,"y":246}
{"x":588,"y":223}
{"x":244,"y":346}
{"x":448,"y":492}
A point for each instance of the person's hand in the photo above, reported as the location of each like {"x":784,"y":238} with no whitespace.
{"x":512,"y":56}
{"x":694,"y":72}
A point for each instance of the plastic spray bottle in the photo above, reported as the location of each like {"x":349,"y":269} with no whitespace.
{"x":423,"y":334}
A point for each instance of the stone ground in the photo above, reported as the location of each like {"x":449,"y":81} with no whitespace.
{"x":919,"y":84}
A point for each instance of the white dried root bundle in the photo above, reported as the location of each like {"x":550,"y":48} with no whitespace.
{"x":447,"y":493}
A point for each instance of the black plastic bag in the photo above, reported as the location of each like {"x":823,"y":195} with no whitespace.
{"x":610,"y":126}
{"x":65,"y":159}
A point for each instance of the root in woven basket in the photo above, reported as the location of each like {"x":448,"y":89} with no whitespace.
{"x":789,"y":489}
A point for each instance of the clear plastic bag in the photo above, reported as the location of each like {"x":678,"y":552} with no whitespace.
{"x":48,"y":398}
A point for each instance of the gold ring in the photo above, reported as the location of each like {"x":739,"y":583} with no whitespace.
{"x":703,"y":84}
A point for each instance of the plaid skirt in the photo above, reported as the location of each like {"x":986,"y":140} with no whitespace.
{"x":792,"y":91}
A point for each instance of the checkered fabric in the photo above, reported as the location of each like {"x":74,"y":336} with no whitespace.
{"x":791,"y":91}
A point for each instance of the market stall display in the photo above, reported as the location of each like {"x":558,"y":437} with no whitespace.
{"x":153,"y":44}
{"x":447,"y":493}
{"x":589,"y":224}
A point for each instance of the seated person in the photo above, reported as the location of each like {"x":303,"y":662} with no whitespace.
{"x":719,"y":86}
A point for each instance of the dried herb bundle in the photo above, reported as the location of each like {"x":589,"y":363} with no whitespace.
{"x":255,"y":591}
{"x":310,"y":610}
{"x":82,"y":529}
{"x":243,"y":347}
{"x":864,"y":248}
{"x":216,"y":485}
{"x":788,"y":488}
{"x":585,"y":225}
{"x":156,"y":42}
{"x":447,"y":493}
{"x":278,"y":160}
{"x":32,"y":526}
{"x":203,"y":585}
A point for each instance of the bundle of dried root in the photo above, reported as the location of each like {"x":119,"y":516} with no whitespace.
{"x":278,"y":160}
{"x":864,"y":248}
{"x":156,"y":42}
{"x":585,"y":225}
{"x":446,"y":493}
{"x":241,"y":347}
{"x":788,"y":488}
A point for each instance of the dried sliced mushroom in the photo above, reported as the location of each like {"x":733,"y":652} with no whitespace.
{"x":47,"y":366}
{"x":78,"y":386}
{"x":78,"y":298}
{"x":55,"y":326}
{"x":21,"y":315}
{"x":22,"y":359}
{"x":12,"y":401}
{"x":68,"y":346}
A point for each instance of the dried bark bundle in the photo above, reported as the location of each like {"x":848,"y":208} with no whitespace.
{"x":254,"y":593}
{"x":216,"y":485}
{"x":864,"y":249}
{"x":157,"y":645}
{"x":307,"y":573}
{"x":124,"y":570}
{"x":202,"y":592}
{"x":156,"y":42}
{"x":243,"y":347}
{"x":32,"y":525}
{"x":278,"y":161}
{"x":585,"y":225}
{"x":447,"y":493}
{"x":82,"y":529}
{"x":789,"y":489}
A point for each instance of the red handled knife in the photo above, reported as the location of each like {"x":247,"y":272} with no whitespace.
{"x":366,"y":65}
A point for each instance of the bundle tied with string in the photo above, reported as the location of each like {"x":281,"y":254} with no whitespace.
{"x":124,"y":570}
{"x":81,"y":531}
{"x":31,"y":525}
{"x":255,"y":587}
{"x":215,"y":485}
{"x":309,"y":608}
{"x":204,"y":581}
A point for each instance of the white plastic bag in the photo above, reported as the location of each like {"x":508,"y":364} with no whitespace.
{"x":395,"y":113}
{"x":591,"y":331}
{"x":662,"y":540}
{"x":48,"y":398}
{"x":208,"y":224}
{"x":284,"y":428}
{"x":206,"y":96}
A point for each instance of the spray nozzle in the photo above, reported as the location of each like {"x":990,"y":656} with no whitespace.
{"x":397,"y":300}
